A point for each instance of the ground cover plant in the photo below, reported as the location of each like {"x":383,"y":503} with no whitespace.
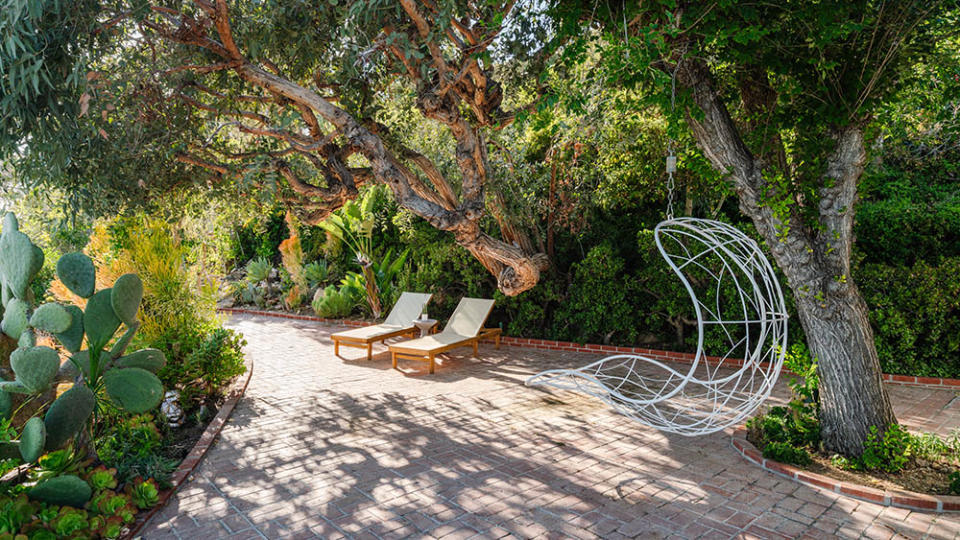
{"x":893,"y":458}
{"x":84,"y":443}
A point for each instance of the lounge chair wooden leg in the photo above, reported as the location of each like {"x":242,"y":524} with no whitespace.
{"x":394,"y":355}
{"x":336,"y":348}
{"x":498,"y":341}
{"x":476,"y":348}
{"x":432,"y":362}
{"x":369,"y":351}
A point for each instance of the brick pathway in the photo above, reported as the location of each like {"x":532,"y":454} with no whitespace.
{"x":324,"y":447}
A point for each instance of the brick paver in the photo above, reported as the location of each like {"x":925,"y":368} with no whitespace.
{"x":332,"y":448}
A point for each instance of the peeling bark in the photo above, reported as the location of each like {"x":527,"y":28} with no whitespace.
{"x":511,"y":260}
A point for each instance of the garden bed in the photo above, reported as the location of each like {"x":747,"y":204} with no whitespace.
{"x":876,"y":487}
{"x":198,"y":441}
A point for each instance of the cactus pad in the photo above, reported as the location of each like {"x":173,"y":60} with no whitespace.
{"x":14,"y":387}
{"x":126,"y":296}
{"x":15,"y":318}
{"x":27,"y":339}
{"x":121,"y":345}
{"x":134,"y":389}
{"x":72,"y":337}
{"x":51,"y":318}
{"x":35,"y":367}
{"x":149,"y":359}
{"x":67,"y":415}
{"x":100,"y":322}
{"x":10,"y":222}
{"x":20,"y":261}
{"x":64,"y":490}
{"x":6,"y":405}
{"x":77,"y":272}
{"x":32,"y":439}
{"x":81,"y":359}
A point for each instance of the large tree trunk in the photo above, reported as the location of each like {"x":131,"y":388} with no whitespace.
{"x":815,"y":259}
{"x":852,"y":396}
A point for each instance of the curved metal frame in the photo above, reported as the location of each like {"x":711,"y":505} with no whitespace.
{"x":715,"y":392}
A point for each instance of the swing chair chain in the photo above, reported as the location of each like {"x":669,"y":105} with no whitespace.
{"x":671,"y":156}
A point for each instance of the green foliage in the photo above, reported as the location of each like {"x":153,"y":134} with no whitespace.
{"x":955,"y":482}
{"x":333,"y":302}
{"x":595,"y":309}
{"x":259,"y":237}
{"x":215,"y":361}
{"x":806,"y":395}
{"x":144,"y":494}
{"x":134,"y":449}
{"x":888,"y":451}
{"x":786,"y":453}
{"x":316,"y":273}
{"x":915,"y":314}
{"x":258,"y":270}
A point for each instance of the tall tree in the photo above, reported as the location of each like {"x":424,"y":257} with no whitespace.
{"x":778,"y":97}
{"x":291,"y":91}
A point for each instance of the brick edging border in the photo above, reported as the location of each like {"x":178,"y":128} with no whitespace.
{"x":199,"y":450}
{"x":900,"y":498}
{"x":548,"y":344}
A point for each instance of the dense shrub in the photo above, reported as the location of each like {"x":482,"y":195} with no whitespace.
{"x":178,"y":311}
{"x":915,"y":313}
{"x":600,"y":302}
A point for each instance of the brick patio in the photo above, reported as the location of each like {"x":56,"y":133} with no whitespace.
{"x":332,"y":448}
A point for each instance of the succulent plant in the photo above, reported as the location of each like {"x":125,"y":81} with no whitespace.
{"x":129,"y":380}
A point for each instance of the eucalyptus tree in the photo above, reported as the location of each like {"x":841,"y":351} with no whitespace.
{"x":779,"y":97}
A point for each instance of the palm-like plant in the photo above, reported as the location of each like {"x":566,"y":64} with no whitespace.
{"x":353,"y":225}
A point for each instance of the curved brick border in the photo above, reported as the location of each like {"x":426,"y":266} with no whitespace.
{"x":677,"y":357}
{"x":189,"y":463}
{"x":899,"y":498}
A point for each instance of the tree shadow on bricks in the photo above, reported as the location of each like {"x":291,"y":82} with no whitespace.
{"x":399,"y":457}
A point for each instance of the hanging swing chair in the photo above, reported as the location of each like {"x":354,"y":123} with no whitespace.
{"x":740,"y":314}
{"x":741,"y":318}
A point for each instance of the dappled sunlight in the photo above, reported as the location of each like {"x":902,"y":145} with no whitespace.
{"x":325,"y":446}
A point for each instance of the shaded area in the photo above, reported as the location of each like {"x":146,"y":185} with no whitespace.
{"x":326,"y":447}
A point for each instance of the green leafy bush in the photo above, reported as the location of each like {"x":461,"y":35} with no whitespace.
{"x":316,"y":273}
{"x":915,"y":314}
{"x":786,"y":453}
{"x":955,"y":482}
{"x":600,"y":300}
{"x":334,"y":303}
{"x":211,"y":365}
{"x":888,"y":451}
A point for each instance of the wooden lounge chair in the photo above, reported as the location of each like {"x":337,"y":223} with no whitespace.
{"x":399,"y":322}
{"x":464,"y":328}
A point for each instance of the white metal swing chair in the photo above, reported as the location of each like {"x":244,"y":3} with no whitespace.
{"x":740,"y":308}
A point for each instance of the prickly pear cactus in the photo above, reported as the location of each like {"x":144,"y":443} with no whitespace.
{"x":100,"y":371}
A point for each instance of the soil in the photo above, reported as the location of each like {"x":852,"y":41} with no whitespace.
{"x":918,"y":475}
{"x":182,"y":439}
